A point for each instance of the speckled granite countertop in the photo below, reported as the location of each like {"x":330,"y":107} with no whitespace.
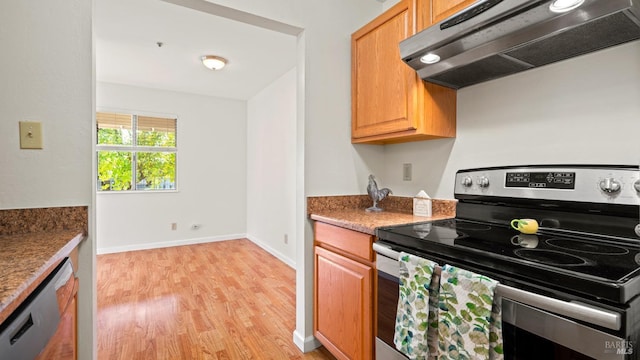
{"x":26,"y":260}
{"x":32,"y":243}
{"x":349,"y":211}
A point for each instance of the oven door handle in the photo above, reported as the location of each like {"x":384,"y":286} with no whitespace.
{"x":386,"y":251}
{"x":608,"y":319}
{"x":574,"y":309}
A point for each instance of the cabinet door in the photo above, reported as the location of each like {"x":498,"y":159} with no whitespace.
{"x":442,"y":9}
{"x":343,"y":302}
{"x":381,"y":82}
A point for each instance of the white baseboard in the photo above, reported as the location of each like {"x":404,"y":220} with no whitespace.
{"x":305,"y":344}
{"x":272,"y":251}
{"x":163,"y":244}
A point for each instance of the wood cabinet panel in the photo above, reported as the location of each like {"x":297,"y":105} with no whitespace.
{"x":442,"y":9}
{"x":349,"y":241}
{"x":381,"y":81}
{"x":424,"y":16}
{"x":390,"y":103}
{"x":343,"y":305}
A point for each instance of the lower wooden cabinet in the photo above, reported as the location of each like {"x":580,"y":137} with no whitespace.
{"x":343,"y":297}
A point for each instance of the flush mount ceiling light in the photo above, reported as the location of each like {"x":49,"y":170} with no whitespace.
{"x":213,"y":62}
{"x":430,"y":59}
{"x":560,"y":6}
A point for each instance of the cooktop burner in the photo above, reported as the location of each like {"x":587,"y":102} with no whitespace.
{"x":587,"y":247}
{"x":550,"y":257}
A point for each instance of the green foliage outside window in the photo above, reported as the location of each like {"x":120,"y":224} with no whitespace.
{"x":114,"y":170}
{"x":156,"y":138}
{"x":154,"y":169}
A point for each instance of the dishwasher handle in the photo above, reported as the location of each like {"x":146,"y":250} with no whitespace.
{"x":28,"y":323}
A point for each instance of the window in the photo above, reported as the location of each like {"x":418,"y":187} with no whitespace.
{"x":136,"y":149}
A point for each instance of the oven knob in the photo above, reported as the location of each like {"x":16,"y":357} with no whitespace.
{"x":466,"y":181}
{"x":609,"y":185}
{"x":636,"y":185}
{"x":483,"y":181}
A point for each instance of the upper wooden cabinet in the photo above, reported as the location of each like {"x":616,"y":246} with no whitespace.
{"x":442,"y":9}
{"x":390,"y":103}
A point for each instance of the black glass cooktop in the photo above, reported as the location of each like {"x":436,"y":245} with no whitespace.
{"x":581,"y":263}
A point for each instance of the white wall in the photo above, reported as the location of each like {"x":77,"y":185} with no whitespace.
{"x":331,"y":165}
{"x":389,"y":4}
{"x":56,"y":93}
{"x":271,"y":167}
{"x":581,"y":111}
{"x":211,"y":174}
{"x":59,"y":93}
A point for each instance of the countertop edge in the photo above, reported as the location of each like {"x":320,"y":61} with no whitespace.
{"x":371,"y":229}
{"x":30,"y":284}
{"x":344,"y":224}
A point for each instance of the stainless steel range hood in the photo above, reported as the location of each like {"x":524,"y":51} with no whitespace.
{"x":495,"y":38}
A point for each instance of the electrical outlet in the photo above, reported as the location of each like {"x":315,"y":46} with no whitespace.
{"x":174,"y":226}
{"x":286,"y":238}
{"x":406,"y":172}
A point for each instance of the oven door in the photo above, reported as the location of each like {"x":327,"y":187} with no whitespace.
{"x":388,"y":293}
{"x":534,"y":326}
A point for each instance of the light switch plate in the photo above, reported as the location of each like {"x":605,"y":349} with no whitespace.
{"x":30,"y":135}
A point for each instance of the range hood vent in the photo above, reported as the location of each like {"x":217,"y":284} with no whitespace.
{"x":496,"y":38}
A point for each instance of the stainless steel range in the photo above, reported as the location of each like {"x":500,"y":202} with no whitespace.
{"x":569,"y":290}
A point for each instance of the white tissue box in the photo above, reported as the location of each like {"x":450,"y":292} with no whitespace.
{"x":422,"y":206}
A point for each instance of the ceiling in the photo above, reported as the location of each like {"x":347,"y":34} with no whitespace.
{"x":127,"y":33}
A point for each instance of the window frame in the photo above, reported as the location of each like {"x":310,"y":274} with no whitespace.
{"x":135,"y":149}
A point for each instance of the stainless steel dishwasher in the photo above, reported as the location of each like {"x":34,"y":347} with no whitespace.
{"x":28,"y":330}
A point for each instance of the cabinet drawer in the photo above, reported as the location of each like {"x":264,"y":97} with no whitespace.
{"x":352,"y":242}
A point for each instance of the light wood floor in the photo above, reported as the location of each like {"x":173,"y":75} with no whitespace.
{"x":221,"y":300}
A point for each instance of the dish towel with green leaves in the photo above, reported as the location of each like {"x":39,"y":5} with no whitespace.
{"x":416,"y":331}
{"x":470,"y":317}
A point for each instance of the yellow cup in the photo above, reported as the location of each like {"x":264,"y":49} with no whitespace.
{"x":525,"y":226}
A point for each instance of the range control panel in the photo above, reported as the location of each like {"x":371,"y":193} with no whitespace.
{"x":581,"y":183}
{"x":552,"y":180}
